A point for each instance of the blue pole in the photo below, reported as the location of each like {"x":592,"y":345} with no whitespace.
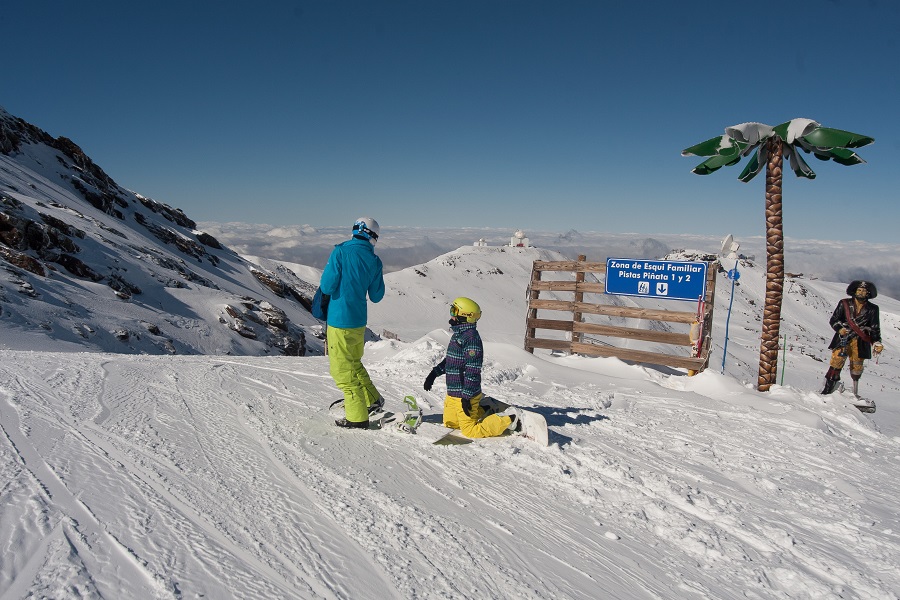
{"x":728,"y":319}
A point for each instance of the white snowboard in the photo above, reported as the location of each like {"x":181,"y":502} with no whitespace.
{"x":534,"y":427}
{"x":440,"y":435}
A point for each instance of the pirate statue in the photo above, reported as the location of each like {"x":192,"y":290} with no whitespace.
{"x":857,"y":334}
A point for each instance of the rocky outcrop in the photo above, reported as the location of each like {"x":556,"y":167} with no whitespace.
{"x":262,"y":321}
{"x":83,"y":227}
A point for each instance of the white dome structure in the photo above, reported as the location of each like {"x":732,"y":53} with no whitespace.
{"x":519,"y":239}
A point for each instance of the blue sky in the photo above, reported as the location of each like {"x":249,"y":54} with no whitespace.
{"x":539,"y":115}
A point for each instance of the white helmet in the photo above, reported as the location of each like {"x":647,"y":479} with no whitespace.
{"x":366,"y":227}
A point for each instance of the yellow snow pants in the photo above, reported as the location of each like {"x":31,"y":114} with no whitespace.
{"x":345,"y":351}
{"x":472,"y":425}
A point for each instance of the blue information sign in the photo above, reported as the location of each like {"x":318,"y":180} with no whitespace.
{"x":666,"y":279}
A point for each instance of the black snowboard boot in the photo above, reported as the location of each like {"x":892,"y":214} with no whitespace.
{"x":377,"y":406}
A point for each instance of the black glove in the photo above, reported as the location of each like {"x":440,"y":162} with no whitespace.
{"x":466,"y":406}
{"x":436,"y":372}
{"x":429,"y":381}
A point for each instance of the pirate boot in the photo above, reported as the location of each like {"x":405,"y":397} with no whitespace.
{"x":832,"y":377}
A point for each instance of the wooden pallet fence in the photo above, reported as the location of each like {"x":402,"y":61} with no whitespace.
{"x":577,"y":328}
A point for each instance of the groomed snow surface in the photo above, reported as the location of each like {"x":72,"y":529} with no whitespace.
{"x":220,"y":477}
{"x":128,"y":476}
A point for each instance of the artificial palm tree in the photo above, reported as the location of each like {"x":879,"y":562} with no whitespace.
{"x":770,"y":145}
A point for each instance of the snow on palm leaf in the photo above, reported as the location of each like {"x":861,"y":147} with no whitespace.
{"x":803,"y":134}
{"x":770,"y":146}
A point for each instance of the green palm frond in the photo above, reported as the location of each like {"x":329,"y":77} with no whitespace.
{"x":756,"y":164}
{"x":823,"y":137}
{"x":842,"y":156}
{"x":711,"y":147}
{"x":807,"y":135}
{"x":718,"y":161}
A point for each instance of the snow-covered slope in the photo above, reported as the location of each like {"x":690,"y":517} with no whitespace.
{"x":88,"y":265}
{"x":418,"y":298}
{"x":222,"y":477}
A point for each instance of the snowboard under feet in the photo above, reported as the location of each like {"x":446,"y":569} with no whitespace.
{"x":534,"y":425}
{"x":405,"y":421}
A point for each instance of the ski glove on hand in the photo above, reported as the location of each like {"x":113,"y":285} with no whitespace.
{"x":466,"y":406}
{"x":436,"y":372}
{"x":429,"y":381}
{"x":877,"y":347}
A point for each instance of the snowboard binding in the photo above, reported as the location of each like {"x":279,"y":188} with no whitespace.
{"x":410,"y":420}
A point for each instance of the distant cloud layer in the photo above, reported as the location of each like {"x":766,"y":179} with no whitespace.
{"x":403,"y":247}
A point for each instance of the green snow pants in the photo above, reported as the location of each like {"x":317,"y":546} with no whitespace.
{"x":345,"y":351}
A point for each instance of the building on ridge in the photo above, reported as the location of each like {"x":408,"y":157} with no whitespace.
{"x":519,"y":240}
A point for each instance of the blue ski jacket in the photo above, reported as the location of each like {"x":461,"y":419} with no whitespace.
{"x":353,"y":270}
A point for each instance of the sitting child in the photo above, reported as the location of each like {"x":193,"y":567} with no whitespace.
{"x":462,"y":366}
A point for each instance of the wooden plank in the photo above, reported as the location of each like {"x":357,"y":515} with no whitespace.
{"x":570,"y":265}
{"x":579,"y":298}
{"x":639,"y":356}
{"x":585,"y":287}
{"x":533,"y":295}
{"x":532,"y":343}
{"x":632,"y":333}
{"x":704,"y":353}
{"x":708,"y":317}
{"x":553,"y":324}
{"x":653,"y":358}
{"x":615,"y":311}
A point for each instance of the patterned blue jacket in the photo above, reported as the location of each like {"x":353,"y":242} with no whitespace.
{"x":462,"y":365}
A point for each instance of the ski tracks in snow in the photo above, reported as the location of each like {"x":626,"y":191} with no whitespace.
{"x":691,"y":491}
{"x":165,"y":465}
{"x":78,"y":555}
{"x":224,"y":477}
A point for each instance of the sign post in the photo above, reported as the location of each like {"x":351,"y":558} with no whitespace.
{"x":733,"y":275}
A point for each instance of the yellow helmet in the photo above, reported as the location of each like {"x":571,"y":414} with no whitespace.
{"x":467,"y":309}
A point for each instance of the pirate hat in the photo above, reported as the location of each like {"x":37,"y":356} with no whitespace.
{"x":857,"y":283}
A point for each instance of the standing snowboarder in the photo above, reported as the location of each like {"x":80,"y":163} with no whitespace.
{"x":462,"y":366}
{"x":857,"y":327}
{"x":353,"y":270}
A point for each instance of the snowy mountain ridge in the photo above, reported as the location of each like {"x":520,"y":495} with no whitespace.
{"x":87,"y":264}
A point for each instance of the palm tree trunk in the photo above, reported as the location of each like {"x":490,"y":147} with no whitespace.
{"x":768,"y":352}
